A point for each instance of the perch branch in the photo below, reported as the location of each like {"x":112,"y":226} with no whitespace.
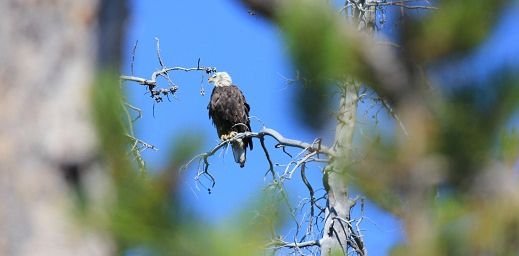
{"x":312,"y":148}
{"x":274,"y":134}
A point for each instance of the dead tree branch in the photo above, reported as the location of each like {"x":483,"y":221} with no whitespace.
{"x":313,"y":149}
{"x":278,"y":244}
{"x":164,"y":71}
{"x":140,"y":145}
{"x":404,"y":4}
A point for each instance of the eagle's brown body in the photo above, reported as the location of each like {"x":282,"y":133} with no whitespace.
{"x":230,"y":113}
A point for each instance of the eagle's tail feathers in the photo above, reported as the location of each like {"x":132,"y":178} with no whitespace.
{"x":239,"y":152}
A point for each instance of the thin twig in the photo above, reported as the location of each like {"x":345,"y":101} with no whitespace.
{"x":136,"y":109}
{"x":267,"y":155}
{"x":298,"y":164}
{"x":133,"y":56}
{"x":394,"y":115}
{"x":158,"y":53}
{"x":312,"y":196}
{"x":144,"y":144}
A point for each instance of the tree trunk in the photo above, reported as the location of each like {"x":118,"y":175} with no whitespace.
{"x":336,"y":233}
{"x":48,"y":153}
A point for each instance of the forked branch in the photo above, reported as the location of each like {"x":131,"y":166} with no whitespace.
{"x":151,"y":83}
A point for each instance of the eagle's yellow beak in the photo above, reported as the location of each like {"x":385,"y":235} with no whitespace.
{"x":211,"y":80}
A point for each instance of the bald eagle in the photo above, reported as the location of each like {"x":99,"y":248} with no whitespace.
{"x":230,"y":114}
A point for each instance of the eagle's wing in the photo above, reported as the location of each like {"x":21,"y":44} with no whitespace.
{"x":229,"y":111}
{"x":216,"y":111}
{"x":214,"y":97}
{"x":242,"y":114}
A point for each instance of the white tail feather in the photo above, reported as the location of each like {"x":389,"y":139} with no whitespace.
{"x":238,"y":150}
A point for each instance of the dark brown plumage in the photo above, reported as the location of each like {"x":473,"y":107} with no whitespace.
{"x":230,"y":113}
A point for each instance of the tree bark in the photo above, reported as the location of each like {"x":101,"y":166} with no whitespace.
{"x":47,"y":141}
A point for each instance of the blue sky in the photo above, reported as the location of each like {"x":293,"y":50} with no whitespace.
{"x":222,"y":34}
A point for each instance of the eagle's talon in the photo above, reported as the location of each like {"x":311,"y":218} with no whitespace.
{"x":224,"y":137}
{"x":228,"y":136}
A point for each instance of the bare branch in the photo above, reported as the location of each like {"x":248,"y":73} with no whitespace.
{"x":203,"y":167}
{"x":312,"y":196}
{"x":158,"y":53}
{"x":140,"y":144}
{"x":403,"y":4}
{"x":136,"y":109}
{"x":293,"y":143}
{"x":394,"y":115}
{"x":151,"y":83}
{"x":299,"y":163}
{"x":274,"y":134}
{"x":280,"y":244}
{"x":153,"y":80}
{"x":271,"y":166}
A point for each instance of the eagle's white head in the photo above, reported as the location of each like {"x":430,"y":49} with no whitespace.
{"x":220,"y":79}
